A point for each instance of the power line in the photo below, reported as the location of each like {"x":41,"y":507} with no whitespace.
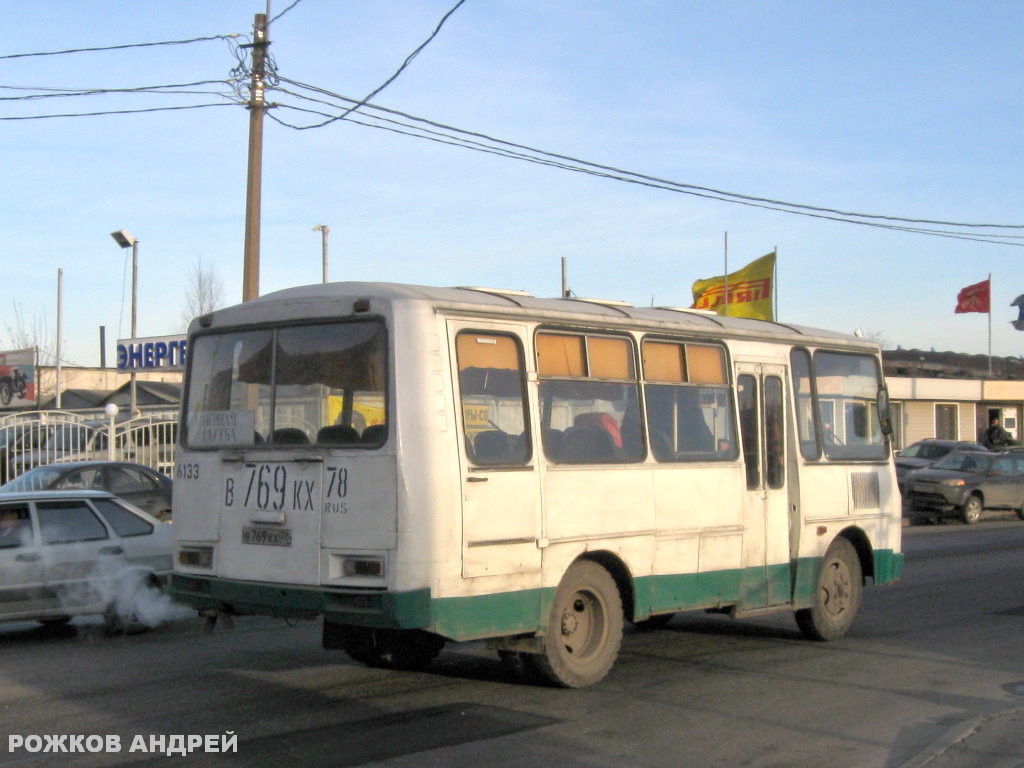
{"x":54,"y":93}
{"x":120,"y":111}
{"x":399,"y":71}
{"x":410,"y":125}
{"x":476,"y":146}
{"x":282,"y":13}
{"x":118,"y":47}
{"x":492,"y":145}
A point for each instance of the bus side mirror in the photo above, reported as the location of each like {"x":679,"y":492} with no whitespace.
{"x":884,"y":414}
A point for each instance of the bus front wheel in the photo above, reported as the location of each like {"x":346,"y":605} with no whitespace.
{"x":584,"y":629}
{"x":837,"y":594}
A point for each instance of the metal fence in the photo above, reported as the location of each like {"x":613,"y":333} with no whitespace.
{"x":31,"y":439}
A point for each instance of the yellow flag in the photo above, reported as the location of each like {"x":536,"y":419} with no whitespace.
{"x":749,"y":291}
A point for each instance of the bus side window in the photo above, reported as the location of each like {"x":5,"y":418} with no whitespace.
{"x":689,"y":408}
{"x":746,"y":387}
{"x":803,"y":395}
{"x":492,"y":389}
{"x":774,"y":432}
{"x":590,"y":400}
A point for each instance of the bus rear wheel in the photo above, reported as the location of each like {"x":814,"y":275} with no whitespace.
{"x":387,"y":648}
{"x":837,"y":594}
{"x":584,"y":629}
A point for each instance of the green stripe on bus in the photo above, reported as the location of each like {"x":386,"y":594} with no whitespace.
{"x":519,"y":612}
{"x":502,"y":613}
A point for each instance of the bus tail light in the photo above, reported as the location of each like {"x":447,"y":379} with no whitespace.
{"x":196,"y":557}
{"x":372,"y":567}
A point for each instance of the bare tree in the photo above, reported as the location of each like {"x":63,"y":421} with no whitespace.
{"x":204,"y":293}
{"x":876,"y":336}
{"x":25,"y":334}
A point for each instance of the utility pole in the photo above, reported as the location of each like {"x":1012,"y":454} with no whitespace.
{"x":323,"y":229}
{"x":59,"y":321}
{"x":257,"y":106}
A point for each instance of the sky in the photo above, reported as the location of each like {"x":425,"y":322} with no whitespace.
{"x":910,"y":109}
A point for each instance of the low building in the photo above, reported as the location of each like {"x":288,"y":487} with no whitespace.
{"x":93,"y":388}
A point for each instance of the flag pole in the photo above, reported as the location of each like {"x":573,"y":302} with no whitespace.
{"x":989,"y":323}
{"x":725,"y":258}
{"x":775,"y":283}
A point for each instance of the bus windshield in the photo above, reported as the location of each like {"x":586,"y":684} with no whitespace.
{"x":288,"y":386}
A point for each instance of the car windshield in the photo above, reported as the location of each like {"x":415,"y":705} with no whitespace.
{"x":927,"y":451}
{"x":962,"y":462}
{"x":38,"y":479}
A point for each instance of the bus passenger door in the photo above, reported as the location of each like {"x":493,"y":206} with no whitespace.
{"x":497,"y":454}
{"x":761,"y":392}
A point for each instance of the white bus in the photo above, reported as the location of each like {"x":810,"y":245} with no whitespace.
{"x":418,"y":465}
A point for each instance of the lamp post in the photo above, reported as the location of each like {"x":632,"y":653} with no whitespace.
{"x":111,"y":410}
{"x":323,"y":229}
{"x":123,"y":239}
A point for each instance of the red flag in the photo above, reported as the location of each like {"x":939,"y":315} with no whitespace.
{"x":974,"y":298}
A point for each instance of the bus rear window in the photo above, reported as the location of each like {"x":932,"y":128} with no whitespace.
{"x":290,"y":386}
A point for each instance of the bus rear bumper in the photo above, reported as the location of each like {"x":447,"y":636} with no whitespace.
{"x":364,"y":608}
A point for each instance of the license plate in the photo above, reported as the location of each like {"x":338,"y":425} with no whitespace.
{"x":275,"y":537}
{"x":281,"y":487}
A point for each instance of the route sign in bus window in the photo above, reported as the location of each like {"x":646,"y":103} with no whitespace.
{"x":493,"y":391}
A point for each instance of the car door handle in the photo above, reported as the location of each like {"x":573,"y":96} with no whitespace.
{"x":115,"y":550}
{"x":28,"y":557}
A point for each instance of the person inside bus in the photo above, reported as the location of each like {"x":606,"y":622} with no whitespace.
{"x":601,"y":420}
{"x":593,"y":436}
{"x":694,"y":434}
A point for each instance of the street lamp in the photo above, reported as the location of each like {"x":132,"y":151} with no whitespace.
{"x":323,"y":229}
{"x":123,"y":239}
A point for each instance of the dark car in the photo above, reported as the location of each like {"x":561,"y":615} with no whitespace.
{"x":965,"y":483}
{"x":146,"y":488}
{"x":18,"y":438}
{"x":926,"y":452}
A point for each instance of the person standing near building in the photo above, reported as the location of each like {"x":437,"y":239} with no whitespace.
{"x":995,"y":437}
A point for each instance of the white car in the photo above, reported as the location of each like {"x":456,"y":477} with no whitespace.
{"x":69,"y":553}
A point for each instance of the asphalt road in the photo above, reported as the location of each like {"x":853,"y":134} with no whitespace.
{"x":931,"y":675}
